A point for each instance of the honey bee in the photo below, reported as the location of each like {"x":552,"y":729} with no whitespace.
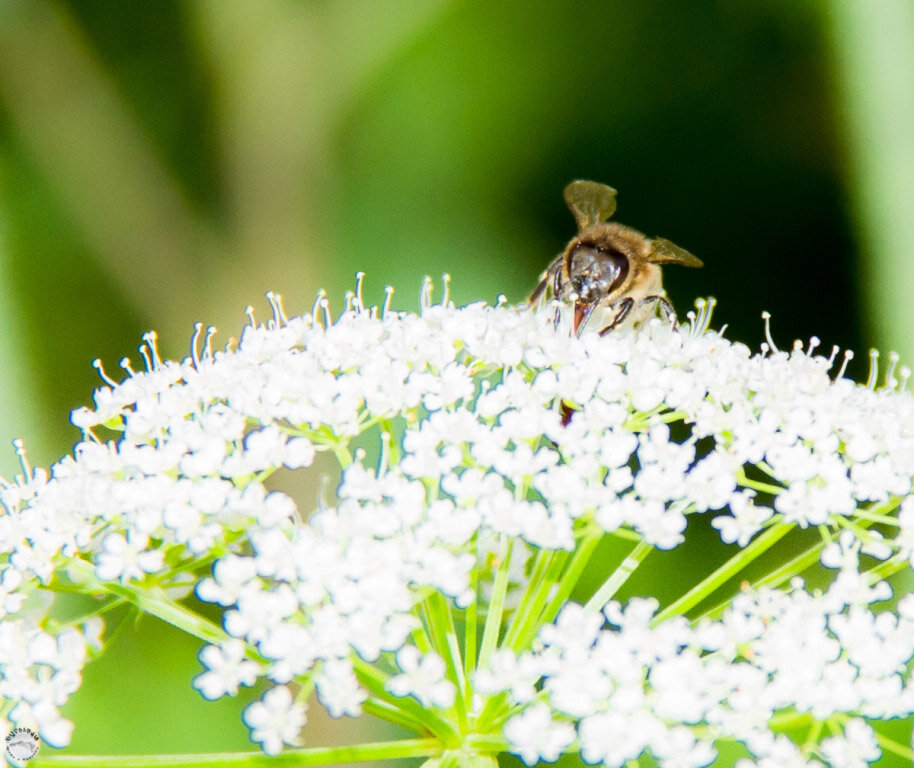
{"x":609,"y":273}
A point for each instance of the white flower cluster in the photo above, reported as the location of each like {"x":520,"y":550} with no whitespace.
{"x":674,"y":689}
{"x":494,"y":426}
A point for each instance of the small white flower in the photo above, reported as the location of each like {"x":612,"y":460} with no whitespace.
{"x":423,"y":677}
{"x":126,"y":558}
{"x":534,"y":735}
{"x":228,"y":668}
{"x":855,"y":748}
{"x":275,"y":720}
{"x":338,"y":689}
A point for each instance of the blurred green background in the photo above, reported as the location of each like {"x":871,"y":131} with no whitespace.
{"x":168,"y":162}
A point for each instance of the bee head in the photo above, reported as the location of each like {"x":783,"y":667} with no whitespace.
{"x":594,"y":271}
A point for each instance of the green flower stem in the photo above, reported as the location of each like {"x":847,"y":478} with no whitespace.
{"x":290,"y":758}
{"x":889,"y":568}
{"x":391,"y":714}
{"x":619,"y":576}
{"x":890,"y":745}
{"x":444,"y":637}
{"x":526,"y":619}
{"x":373,"y":680}
{"x":471,"y":623}
{"x":496,"y":604}
{"x":774,"y":578}
{"x":725,"y":572}
{"x":583,"y":551}
{"x":757,"y":485}
{"x":152,"y":600}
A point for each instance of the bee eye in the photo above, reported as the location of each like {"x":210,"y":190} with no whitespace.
{"x":596,"y":271}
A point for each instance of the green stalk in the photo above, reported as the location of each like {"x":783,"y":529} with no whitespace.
{"x":725,"y":572}
{"x":619,"y":576}
{"x":290,"y":758}
{"x":373,"y":680}
{"x":444,"y":637}
{"x":152,"y":600}
{"x":579,"y":560}
{"x":548,"y":566}
{"x":471,"y":619}
{"x":497,"y":604}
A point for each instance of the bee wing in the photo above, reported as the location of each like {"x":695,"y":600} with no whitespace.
{"x":665,"y":252}
{"x":590,"y":202}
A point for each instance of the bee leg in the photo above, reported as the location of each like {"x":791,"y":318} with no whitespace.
{"x":551,"y":273}
{"x":624,"y":309}
{"x":538,"y":291}
{"x":669,"y":314}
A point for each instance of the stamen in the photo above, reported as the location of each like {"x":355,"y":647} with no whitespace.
{"x":328,"y":318}
{"x":890,"y":381}
{"x":501,"y":301}
{"x":152,"y":342}
{"x":349,"y":298}
{"x":813,"y":343}
{"x":359,"y":304}
{"x":384,"y":458}
{"x":388,"y":294}
{"x":19,"y":447}
{"x":446,"y":279}
{"x":249,"y":311}
{"x":905,"y":374}
{"x":125,"y":364}
{"x":834,"y":354}
{"x":97,"y":364}
{"x":208,"y":343}
{"x":874,"y":369}
{"x":279,"y":316}
{"x":145,"y":353}
{"x":766,"y":316}
{"x":198,"y":328}
{"x":317,"y":302}
{"x":848,"y":356}
{"x":425,"y":295}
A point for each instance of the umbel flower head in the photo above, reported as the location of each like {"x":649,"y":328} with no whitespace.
{"x":481,"y":575}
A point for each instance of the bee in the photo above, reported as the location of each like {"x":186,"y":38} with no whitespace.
{"x":608,"y":273}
